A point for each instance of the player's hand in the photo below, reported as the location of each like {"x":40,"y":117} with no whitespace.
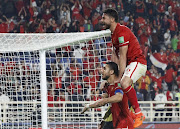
{"x":85,"y":109}
{"x":100,"y":126}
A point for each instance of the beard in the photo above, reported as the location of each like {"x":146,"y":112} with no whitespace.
{"x":105,"y":26}
{"x":105,"y":78}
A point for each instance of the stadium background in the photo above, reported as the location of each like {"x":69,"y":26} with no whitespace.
{"x":156,"y":23}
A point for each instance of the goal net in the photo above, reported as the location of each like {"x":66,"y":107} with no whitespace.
{"x":46,"y":79}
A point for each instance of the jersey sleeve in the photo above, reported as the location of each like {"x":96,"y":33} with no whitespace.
{"x":118,"y":90}
{"x":123,"y":38}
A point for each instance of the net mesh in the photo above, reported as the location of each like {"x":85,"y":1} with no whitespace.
{"x":73,"y":64}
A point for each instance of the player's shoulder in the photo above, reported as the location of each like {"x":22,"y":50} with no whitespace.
{"x":117,"y":85}
{"x":123,"y":29}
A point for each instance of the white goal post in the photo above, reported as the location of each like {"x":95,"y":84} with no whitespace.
{"x":31,"y":77}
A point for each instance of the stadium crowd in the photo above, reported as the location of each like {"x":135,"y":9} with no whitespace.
{"x":156,"y":23}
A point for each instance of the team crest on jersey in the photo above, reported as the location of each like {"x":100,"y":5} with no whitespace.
{"x":121,"y":39}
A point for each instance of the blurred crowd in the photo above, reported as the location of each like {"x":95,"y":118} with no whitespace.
{"x":156,"y":23}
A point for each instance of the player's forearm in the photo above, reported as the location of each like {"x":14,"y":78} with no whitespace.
{"x":95,"y":105}
{"x":115,"y":98}
{"x":122,"y":66}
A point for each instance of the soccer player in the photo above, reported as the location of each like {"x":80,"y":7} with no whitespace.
{"x":106,"y":122}
{"x":128,"y":55}
{"x":114,"y":95}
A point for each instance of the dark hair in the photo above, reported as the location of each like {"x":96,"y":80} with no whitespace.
{"x":112,"y":13}
{"x":113,"y":66}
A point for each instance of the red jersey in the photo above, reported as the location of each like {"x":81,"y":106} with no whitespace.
{"x":161,"y":8}
{"x":123,"y":36}
{"x":120,"y":110}
{"x":50,"y":98}
{"x":169,"y":75}
{"x":173,"y":25}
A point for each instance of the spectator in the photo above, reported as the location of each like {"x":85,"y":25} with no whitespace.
{"x":157,"y":22}
{"x":120,"y":8}
{"x":155,"y":40}
{"x":143,"y":88}
{"x":77,"y":93}
{"x":169,"y":77}
{"x":161,"y":7}
{"x":140,"y":8}
{"x":150,"y":10}
{"x":87,"y":8}
{"x":74,"y":26}
{"x":51,"y":98}
{"x":61,"y":97}
{"x":11,"y":24}
{"x":169,"y":12}
{"x":3,"y":25}
{"x":4,"y":98}
{"x":129,"y":6}
{"x":95,"y":18}
{"x":65,"y":14}
{"x":76,"y":8}
{"x":160,"y":106}
{"x":78,"y":54}
{"x":174,"y":42}
{"x":88,"y":27}
{"x":58,"y":80}
{"x":173,"y":26}
{"x":158,"y":79}
{"x":167,"y":37}
{"x":73,"y":89}
{"x":178,"y":13}
{"x":19,"y":4}
{"x":169,"y":96}
{"x":165,"y":24}
{"x":92,"y":80}
{"x":111,"y":4}
{"x":144,"y":33}
{"x":47,"y":15}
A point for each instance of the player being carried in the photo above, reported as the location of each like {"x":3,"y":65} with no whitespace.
{"x":114,"y":95}
{"x":128,"y":55}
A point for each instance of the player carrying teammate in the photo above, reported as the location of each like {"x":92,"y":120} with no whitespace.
{"x":114,"y":95}
{"x":128,"y":55}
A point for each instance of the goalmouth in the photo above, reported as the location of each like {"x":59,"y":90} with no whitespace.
{"x":41,"y":71}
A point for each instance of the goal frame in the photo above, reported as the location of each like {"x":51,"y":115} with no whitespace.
{"x":10,"y":46}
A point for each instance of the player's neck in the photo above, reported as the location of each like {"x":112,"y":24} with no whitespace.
{"x":111,"y":80}
{"x":113,"y":27}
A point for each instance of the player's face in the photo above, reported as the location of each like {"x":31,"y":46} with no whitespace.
{"x":106,"y":21}
{"x":105,"y":72}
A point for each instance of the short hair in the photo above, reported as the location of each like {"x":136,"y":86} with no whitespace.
{"x":113,"y":66}
{"x":112,"y":13}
